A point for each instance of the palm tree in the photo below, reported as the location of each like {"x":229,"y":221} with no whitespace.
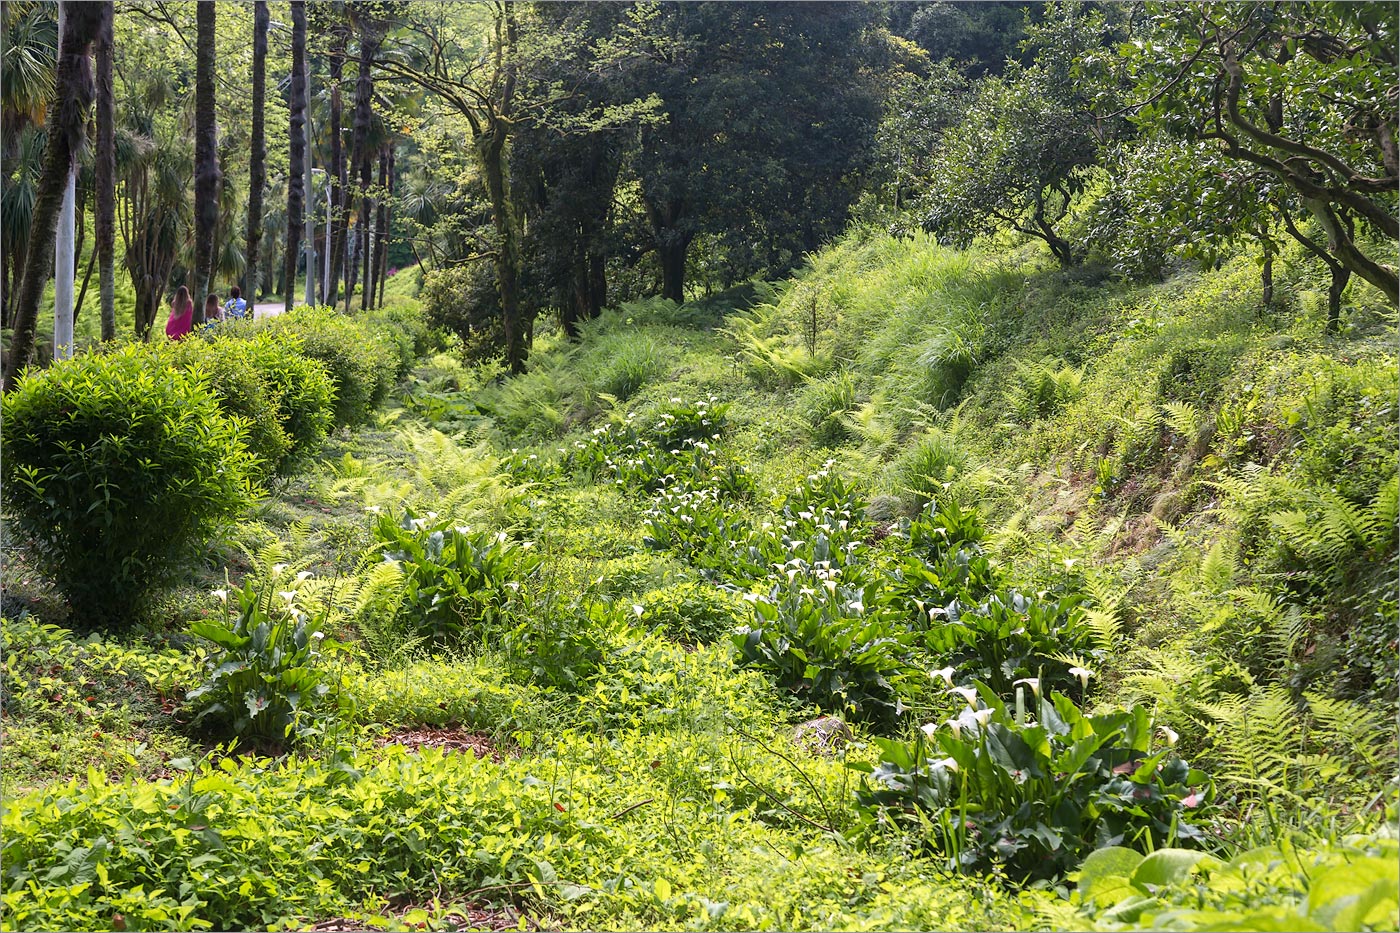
{"x":105,"y":170}
{"x":154,"y":164}
{"x":362,"y":152}
{"x":297,"y":147}
{"x":206,"y":157}
{"x":257,"y":171}
{"x":30,"y":50}
{"x":339,"y":35}
{"x":66,"y":129}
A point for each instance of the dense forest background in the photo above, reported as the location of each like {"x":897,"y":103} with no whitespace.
{"x":544,"y":161}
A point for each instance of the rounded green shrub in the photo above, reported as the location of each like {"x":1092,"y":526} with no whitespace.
{"x":300,"y":389}
{"x":242,"y":393}
{"x":926,"y":468}
{"x":361,"y":362}
{"x":406,"y":327}
{"x":116,"y":467}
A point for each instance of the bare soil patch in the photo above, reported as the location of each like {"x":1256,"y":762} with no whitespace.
{"x":448,"y":738}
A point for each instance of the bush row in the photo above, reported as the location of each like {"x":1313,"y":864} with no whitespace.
{"x":118,"y":463}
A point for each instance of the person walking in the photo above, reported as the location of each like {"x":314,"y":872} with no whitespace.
{"x":181,"y":315}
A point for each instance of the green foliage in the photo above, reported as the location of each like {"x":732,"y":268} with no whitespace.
{"x":928,"y":467}
{"x":695,"y":613}
{"x":632,"y":364}
{"x":300,"y":389}
{"x":1258,"y":86}
{"x":1011,"y":637}
{"x":243,"y":392}
{"x":825,"y":404}
{"x":116,"y":469}
{"x":828,"y":643}
{"x":457,"y":582}
{"x":266,"y":680}
{"x":471,"y":692}
{"x":1040,"y":389}
{"x":1028,"y":143}
{"x":1344,"y":886}
{"x":362,"y":362}
{"x":1036,"y":788}
{"x":70,"y":699}
{"x":406,"y":325}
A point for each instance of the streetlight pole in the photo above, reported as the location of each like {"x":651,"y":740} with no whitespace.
{"x":63,"y":255}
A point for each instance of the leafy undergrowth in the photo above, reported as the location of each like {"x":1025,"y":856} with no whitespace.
{"x":1099,"y":578}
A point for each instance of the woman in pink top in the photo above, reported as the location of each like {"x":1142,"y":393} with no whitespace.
{"x":181,"y":315}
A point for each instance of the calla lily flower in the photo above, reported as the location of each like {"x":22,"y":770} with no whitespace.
{"x":968,"y":694}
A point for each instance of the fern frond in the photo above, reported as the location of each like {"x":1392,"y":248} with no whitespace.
{"x":1183,"y":418}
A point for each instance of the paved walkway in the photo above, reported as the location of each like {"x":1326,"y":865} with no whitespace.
{"x":268,"y":309}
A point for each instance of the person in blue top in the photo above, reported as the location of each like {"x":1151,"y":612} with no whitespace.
{"x":235,"y":309}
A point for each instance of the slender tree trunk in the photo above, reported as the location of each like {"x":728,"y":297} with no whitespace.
{"x":206,"y":159}
{"x":361,"y":157}
{"x":297,"y":145}
{"x":388,"y":225}
{"x":381,"y":225}
{"x":1340,"y":276}
{"x":67,"y":119}
{"x":105,"y":218}
{"x":492,"y":147}
{"x":80,"y":218}
{"x":337,"y":168}
{"x":82,"y":292}
{"x":257,"y":166}
{"x":597,"y":284}
{"x":365,"y":227}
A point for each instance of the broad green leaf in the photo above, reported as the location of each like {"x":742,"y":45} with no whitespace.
{"x":1164,"y":867}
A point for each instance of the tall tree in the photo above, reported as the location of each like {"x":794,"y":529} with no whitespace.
{"x":26,"y":86}
{"x":381,"y":224}
{"x":66,"y":129}
{"x":759,"y":146}
{"x":257,"y":164}
{"x":206,"y":158}
{"x":1303,"y":91}
{"x":105,"y":172}
{"x":370,"y":30}
{"x":298,"y":153}
{"x":339,"y":34}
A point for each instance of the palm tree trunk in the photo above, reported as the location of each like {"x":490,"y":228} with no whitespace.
{"x":105,"y":217}
{"x":73,"y":94}
{"x":206,"y":159}
{"x":337,"y":168}
{"x":297,"y":149}
{"x":387,"y":207}
{"x":361,"y":156}
{"x":257,"y":166}
{"x":376,"y":274}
